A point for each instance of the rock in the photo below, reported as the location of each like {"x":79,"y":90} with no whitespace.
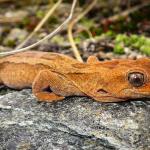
{"x":16,"y":14}
{"x":72,"y":124}
{"x":15,"y":37}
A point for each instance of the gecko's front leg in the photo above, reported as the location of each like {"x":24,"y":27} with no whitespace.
{"x":49,"y":86}
{"x":41,"y":87}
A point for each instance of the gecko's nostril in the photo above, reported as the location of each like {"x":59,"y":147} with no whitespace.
{"x":102,"y":91}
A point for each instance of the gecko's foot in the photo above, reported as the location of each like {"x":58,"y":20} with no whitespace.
{"x":48,"y":97}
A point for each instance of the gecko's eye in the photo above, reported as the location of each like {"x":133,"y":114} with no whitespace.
{"x":136,"y":79}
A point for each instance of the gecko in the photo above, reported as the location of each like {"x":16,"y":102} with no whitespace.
{"x":54,"y":76}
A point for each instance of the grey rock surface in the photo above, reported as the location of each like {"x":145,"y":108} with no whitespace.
{"x":76,"y":123}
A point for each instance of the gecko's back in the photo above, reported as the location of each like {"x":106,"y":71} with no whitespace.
{"x":19,"y":70}
{"x":34,"y":57}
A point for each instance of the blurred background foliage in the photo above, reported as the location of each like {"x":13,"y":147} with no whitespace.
{"x":103,"y":32}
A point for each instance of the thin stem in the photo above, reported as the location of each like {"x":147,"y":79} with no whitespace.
{"x":41,"y":23}
{"x":71,"y":25}
{"x":52,"y":34}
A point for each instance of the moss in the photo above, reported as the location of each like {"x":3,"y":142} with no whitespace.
{"x":119,"y":49}
{"x":110,"y":33}
{"x":145,"y":49}
{"x":53,"y":20}
{"x":133,"y":41}
{"x":40,"y":14}
{"x":25,"y":21}
{"x":77,"y":40}
{"x":121,"y":38}
{"x":87,"y":23}
{"x":11,"y":43}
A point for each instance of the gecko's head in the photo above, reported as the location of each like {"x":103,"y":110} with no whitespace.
{"x":129,"y":80}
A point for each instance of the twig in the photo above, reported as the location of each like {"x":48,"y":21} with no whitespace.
{"x":124,"y":13}
{"x":41,"y":23}
{"x":70,"y":27}
{"x":49,"y":36}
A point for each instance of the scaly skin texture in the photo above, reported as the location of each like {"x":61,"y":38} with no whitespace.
{"x":53,"y":77}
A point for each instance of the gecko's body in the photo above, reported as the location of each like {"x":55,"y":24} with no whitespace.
{"x":54,"y":76}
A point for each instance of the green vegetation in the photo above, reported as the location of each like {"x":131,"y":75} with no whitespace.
{"x":133,"y":41}
{"x":119,"y":48}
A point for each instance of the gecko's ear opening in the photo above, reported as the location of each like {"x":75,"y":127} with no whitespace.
{"x":102,"y":91}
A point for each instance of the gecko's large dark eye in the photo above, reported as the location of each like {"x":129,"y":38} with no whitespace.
{"x":136,"y":79}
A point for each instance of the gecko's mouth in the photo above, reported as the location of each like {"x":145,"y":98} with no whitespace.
{"x":126,"y":94}
{"x":132,"y":94}
{"x":142,"y":95}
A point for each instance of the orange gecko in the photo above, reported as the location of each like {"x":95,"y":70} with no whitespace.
{"x":53,"y":76}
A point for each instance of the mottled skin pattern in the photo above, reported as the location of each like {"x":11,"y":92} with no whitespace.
{"x":53,"y":77}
